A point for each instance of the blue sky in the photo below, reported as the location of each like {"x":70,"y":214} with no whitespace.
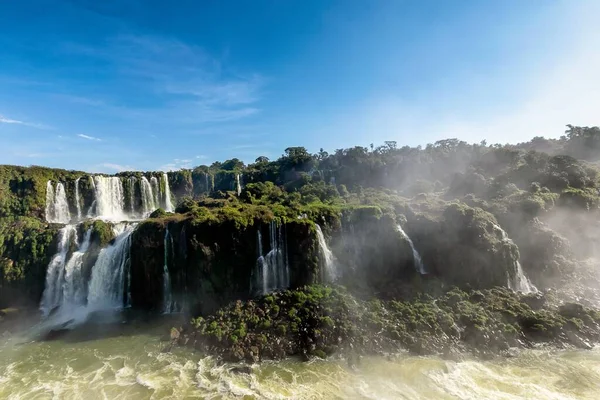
{"x":105,"y":86}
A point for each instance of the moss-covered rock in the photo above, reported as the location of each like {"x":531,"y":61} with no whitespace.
{"x":320,"y":321}
{"x":26,"y":247}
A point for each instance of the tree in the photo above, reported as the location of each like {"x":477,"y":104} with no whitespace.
{"x":261,"y":160}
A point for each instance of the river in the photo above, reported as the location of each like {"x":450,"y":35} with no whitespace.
{"x":133,"y":360}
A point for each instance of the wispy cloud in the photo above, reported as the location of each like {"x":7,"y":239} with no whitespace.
{"x":177,"y":164}
{"x":117,"y":167}
{"x":7,"y":120}
{"x":182,"y":82}
{"x":87,"y":137}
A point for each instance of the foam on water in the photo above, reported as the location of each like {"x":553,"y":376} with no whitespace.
{"x":129,"y":362}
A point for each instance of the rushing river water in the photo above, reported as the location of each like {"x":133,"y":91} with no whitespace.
{"x":133,"y":361}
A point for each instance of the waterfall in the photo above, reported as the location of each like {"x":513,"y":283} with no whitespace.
{"x":74,"y":287}
{"x":168,"y":305}
{"x":51,"y":297}
{"x":131,"y":187}
{"x":272,"y":271}
{"x":416,"y":256}
{"x":328,"y":257}
{"x":148,"y":203}
{"x":107,"y":285}
{"x":110,"y":200}
{"x":519,"y":282}
{"x":57,"y":208}
{"x":238,"y":186}
{"x":155,"y":192}
{"x":168,"y":203}
{"x":77,"y":199}
{"x":92,"y":208}
{"x":49,"y":201}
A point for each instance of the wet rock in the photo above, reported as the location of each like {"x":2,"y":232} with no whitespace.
{"x":175,"y":333}
{"x":571,"y":310}
{"x":535,"y":300}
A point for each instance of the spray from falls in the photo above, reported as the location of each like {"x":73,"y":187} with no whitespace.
{"x":416,"y":256}
{"x":57,"y":207}
{"x":331,"y":273}
{"x":519,"y":281}
{"x":168,"y":202}
{"x":272,"y":271}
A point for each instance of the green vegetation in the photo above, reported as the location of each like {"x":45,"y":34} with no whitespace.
{"x":320,"y":320}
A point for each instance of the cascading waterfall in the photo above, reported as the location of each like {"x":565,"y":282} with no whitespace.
{"x":168,"y":203}
{"x":238,"y":185}
{"x":155,"y":191}
{"x":114,"y":198}
{"x":77,"y":199}
{"x":49,"y":201}
{"x":92,"y":208}
{"x":74,"y":287}
{"x":168,"y":305}
{"x":57,"y":207}
{"x":148,"y":203}
{"x":107,"y":285}
{"x":110,"y":199}
{"x":416,"y":256}
{"x":131,"y":186}
{"x":519,"y":282}
{"x":272,"y":271}
{"x":51,"y":297}
{"x":331,"y":273}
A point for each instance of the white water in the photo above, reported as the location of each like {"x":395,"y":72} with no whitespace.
{"x":272,"y":271}
{"x":74,"y":286}
{"x":148,"y":203}
{"x":168,"y":203}
{"x":107,"y":285}
{"x":155,"y":191}
{"x":131,"y":186}
{"x":238,"y":185}
{"x":92,"y":208}
{"x":416,"y":256}
{"x":77,"y":199}
{"x":168,"y":305}
{"x":129,"y":362}
{"x":52,"y":295}
{"x":110,"y":198}
{"x":328,"y":257}
{"x":520,"y":282}
{"x":57,"y":207}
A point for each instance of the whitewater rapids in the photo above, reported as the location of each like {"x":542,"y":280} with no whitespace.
{"x":129,"y":361}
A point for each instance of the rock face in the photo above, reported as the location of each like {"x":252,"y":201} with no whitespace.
{"x":464,"y":247}
{"x":211,"y":263}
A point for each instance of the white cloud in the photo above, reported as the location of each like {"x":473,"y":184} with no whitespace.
{"x":81,"y":135}
{"x":190,"y":84}
{"x":117,"y":167}
{"x":177,"y":164}
{"x":6,"y":120}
